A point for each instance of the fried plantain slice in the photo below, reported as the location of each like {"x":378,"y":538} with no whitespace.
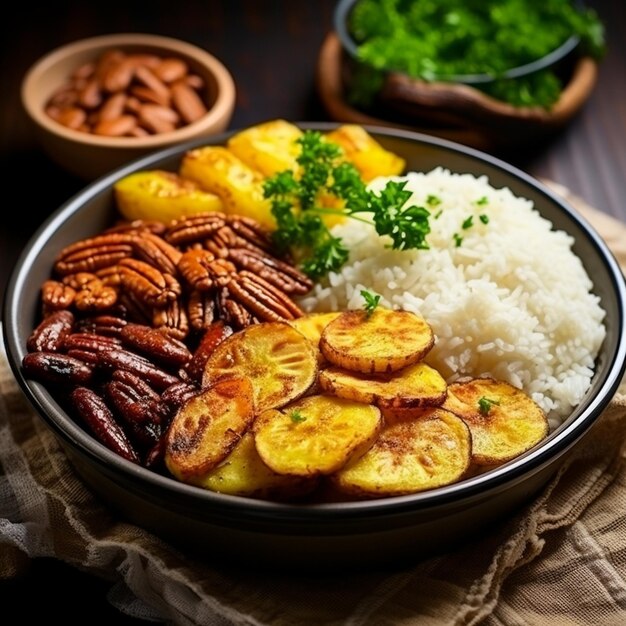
{"x":243,"y":473}
{"x":384,"y":340}
{"x":279,"y":360}
{"x":208,"y":426}
{"x":430,"y":451}
{"x":417,"y":385}
{"x":161,"y":195}
{"x":316,"y":435}
{"x":504,"y":421}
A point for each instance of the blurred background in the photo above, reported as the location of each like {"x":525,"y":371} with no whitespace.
{"x":272,"y":49}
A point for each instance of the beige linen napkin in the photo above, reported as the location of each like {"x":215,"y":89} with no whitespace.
{"x":561,"y":561}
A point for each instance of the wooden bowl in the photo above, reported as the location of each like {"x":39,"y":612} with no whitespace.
{"x":89,"y":155}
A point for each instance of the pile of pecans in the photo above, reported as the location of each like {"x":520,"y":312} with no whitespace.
{"x":129,"y":95}
{"x":131,"y":315}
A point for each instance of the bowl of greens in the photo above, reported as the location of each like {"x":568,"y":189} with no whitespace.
{"x":444,"y":60}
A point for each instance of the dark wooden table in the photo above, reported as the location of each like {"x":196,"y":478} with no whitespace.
{"x":271,"y":48}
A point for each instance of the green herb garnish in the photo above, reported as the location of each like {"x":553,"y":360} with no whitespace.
{"x":432,"y":200}
{"x":297,"y":417}
{"x":458,"y":240}
{"x":482,"y":201}
{"x":371,"y":301}
{"x":468,"y":222}
{"x":484,"y":218}
{"x":324,"y":171}
{"x":485,"y":404}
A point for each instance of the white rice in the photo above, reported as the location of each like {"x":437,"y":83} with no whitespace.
{"x":512,"y":301}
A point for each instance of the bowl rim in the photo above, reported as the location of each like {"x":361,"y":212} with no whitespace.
{"x":340,"y":24}
{"x":225,"y":91}
{"x":250,"y":511}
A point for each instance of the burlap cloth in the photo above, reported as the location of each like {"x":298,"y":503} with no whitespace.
{"x":560,"y":561}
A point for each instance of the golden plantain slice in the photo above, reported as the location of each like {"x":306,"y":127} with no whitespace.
{"x":279,"y":360}
{"x":207,"y":427}
{"x":382,"y":341}
{"x":269,"y":147}
{"x":503,"y":420}
{"x":217,"y":170}
{"x":243,"y":473}
{"x":316,"y":435}
{"x":414,"y":386}
{"x":161,"y":195}
{"x":367,"y":155}
{"x":430,"y":451}
{"x":311,"y":326}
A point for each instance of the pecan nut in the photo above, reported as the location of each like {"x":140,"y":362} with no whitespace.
{"x":56,"y":368}
{"x":155,"y":345}
{"x":99,"y":418}
{"x":147,"y":282}
{"x":94,"y":253}
{"x":51,"y":332}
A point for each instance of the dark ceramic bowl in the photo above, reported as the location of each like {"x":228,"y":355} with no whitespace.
{"x":310,"y":535}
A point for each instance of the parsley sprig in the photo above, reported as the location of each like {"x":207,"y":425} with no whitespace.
{"x":324,"y":173}
{"x":370,"y":301}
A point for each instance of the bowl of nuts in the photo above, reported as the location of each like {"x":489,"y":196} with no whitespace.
{"x":100,"y":102}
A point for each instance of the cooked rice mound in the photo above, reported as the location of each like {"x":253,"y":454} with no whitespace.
{"x":512,"y":301}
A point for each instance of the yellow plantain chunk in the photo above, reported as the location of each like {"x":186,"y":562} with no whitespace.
{"x":316,"y":435}
{"x":243,"y":473}
{"x":270,"y":147}
{"x":367,"y":155}
{"x":161,"y":195}
{"x":207,"y":427}
{"x":414,"y":386}
{"x":217,"y":170}
{"x":430,"y":451}
{"x":279,"y":360}
{"x":311,"y":326}
{"x":381,"y":342}
{"x":503,"y":420}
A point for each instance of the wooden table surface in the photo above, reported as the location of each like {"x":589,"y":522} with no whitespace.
{"x":271,"y":48}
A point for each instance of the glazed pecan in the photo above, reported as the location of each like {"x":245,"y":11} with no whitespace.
{"x":234,"y":313}
{"x":147,"y":282}
{"x":119,"y":358}
{"x":134,"y":309}
{"x":172,"y":319}
{"x":99,"y":418}
{"x":194,"y":228}
{"x":262,"y":299}
{"x":155,"y":345}
{"x":110,"y":325}
{"x":94,"y":253}
{"x":55,"y":295}
{"x":194,"y":268}
{"x":281,"y":274}
{"x":251,"y":231}
{"x":51,"y":332}
{"x":90,"y":342}
{"x":56,"y":368}
{"x":140,"y":416}
{"x":154,"y":250}
{"x":91,"y":293}
{"x":214,"y":334}
{"x":201,"y":309}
